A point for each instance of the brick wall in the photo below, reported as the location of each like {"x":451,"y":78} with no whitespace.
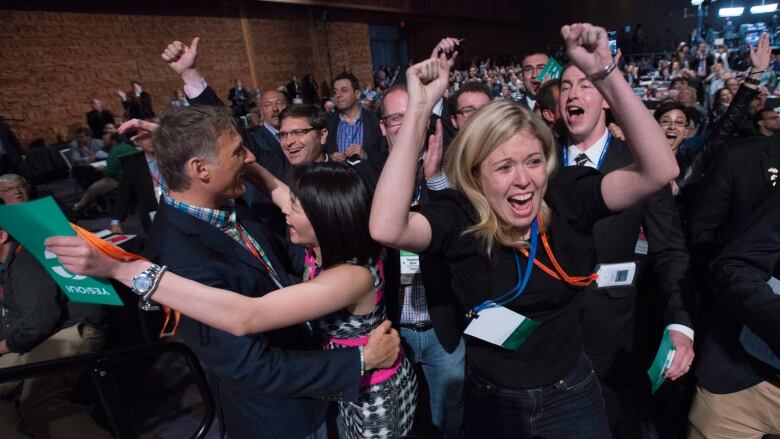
{"x":53,"y":63}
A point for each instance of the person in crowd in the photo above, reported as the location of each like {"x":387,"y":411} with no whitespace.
{"x":499,"y":165}
{"x":268,"y":386}
{"x":688,"y":98}
{"x":98,"y":118}
{"x":137,"y":102}
{"x":269,"y":151}
{"x":732,"y":84}
{"x":354,"y":133}
{"x":293,"y":88}
{"x":179,"y":99}
{"x":239,"y":99}
{"x":310,"y":91}
{"x":650,"y":229}
{"x":463,"y":104}
{"x":39,"y":323}
{"x":532,"y":66}
{"x":547,"y":104}
{"x":112,"y":172}
{"x":329,"y":107}
{"x":84,"y":149}
{"x":423,"y":304}
{"x":344,"y":287}
{"x":739,"y":396}
{"x":140,"y":182}
{"x":13,"y":189}
{"x":720,"y":103}
{"x":768,"y":122}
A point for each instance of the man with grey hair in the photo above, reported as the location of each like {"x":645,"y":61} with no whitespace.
{"x":14,"y":189}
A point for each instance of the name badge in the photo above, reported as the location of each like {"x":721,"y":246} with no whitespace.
{"x":641,"y":246}
{"x":616,"y":275}
{"x":501,"y":327}
{"x":410,"y":267}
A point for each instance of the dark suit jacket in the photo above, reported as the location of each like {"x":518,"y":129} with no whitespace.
{"x":136,"y":185}
{"x":739,"y":275}
{"x":737,"y":183}
{"x":262,"y":383}
{"x":372,"y":138}
{"x":447,"y":317}
{"x":266,"y":148}
{"x":608,"y":313}
{"x":13,"y":150}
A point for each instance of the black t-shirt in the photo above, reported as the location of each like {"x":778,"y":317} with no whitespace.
{"x":574,"y":196}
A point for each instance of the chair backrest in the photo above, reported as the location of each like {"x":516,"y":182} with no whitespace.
{"x":65,"y":154}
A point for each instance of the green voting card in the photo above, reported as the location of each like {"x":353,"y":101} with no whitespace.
{"x":663,"y":359}
{"x":30,"y":224}
{"x":552,"y":70}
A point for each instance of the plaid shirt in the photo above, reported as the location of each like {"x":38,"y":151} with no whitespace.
{"x":349,"y":133}
{"x":225,"y":220}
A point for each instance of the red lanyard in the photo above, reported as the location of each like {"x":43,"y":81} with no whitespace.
{"x":251,"y":247}
{"x":558,"y":273}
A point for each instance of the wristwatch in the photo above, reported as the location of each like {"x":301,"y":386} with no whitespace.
{"x":145,"y":283}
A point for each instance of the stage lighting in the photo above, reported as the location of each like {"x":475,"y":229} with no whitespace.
{"x":731,"y":12}
{"x":763,"y":9}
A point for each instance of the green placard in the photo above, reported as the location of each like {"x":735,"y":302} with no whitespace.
{"x":30,"y":224}
{"x":662,"y":361}
{"x":552,"y":69}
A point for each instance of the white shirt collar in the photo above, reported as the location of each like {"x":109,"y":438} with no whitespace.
{"x":593,"y":152}
{"x":437,"y":109}
{"x":531,"y":102}
{"x":270,"y":128}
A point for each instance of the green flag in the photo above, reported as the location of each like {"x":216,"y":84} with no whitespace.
{"x":552,"y":68}
{"x":662,"y":361}
{"x":30,"y":224}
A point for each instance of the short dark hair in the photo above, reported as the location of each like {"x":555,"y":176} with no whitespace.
{"x":532,"y":53}
{"x":759,"y":116}
{"x":347,"y":75}
{"x":679,"y":79}
{"x":669,"y":106}
{"x":545,"y":97}
{"x":317,"y":118}
{"x":394,"y":88}
{"x":82,"y":131}
{"x":338,"y":203}
{"x":185,"y":133}
{"x":469,"y":87}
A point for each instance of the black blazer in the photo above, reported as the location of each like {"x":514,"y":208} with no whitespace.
{"x":739,"y":275}
{"x":447,"y":317}
{"x":13,"y":150}
{"x":608,"y":313}
{"x":268,"y":151}
{"x":265,"y":385}
{"x":738,"y":182}
{"x":372,"y":138}
{"x":136,"y":185}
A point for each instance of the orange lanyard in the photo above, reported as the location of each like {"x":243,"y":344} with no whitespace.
{"x":558,"y":273}
{"x":119,"y":254}
{"x":266,"y":264}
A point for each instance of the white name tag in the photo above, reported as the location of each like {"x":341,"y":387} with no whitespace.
{"x":502,"y":327}
{"x":616,"y":275}
{"x":410,"y":267}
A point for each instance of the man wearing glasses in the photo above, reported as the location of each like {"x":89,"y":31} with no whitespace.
{"x":533,"y":64}
{"x":470,"y":98}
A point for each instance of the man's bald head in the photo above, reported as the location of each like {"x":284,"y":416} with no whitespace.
{"x":272,"y":102}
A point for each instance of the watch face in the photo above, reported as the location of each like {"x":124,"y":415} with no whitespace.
{"x":142,"y":283}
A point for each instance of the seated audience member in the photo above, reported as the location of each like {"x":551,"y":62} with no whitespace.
{"x":353,"y":132}
{"x":39,"y":323}
{"x":140,"y":182}
{"x":111,"y":173}
{"x":84,"y":149}
{"x":768,"y":122}
{"x":270,"y":385}
{"x":137,"y":102}
{"x":98,"y":118}
{"x":720,"y":103}
{"x":309,"y":91}
{"x":293,"y":88}
{"x":740,"y":396}
{"x":329,"y":107}
{"x":468,"y":99}
{"x":13,"y":189}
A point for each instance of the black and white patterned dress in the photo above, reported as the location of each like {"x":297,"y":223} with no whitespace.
{"x":384,"y":409}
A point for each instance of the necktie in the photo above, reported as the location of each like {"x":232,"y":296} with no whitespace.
{"x":581,"y":159}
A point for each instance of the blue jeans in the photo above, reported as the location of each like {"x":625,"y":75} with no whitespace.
{"x":571,"y":408}
{"x":444,"y":373}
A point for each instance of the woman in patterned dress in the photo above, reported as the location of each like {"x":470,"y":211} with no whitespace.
{"x":326,"y":208}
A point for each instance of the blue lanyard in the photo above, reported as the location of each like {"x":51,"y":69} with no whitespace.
{"x":522,"y":280}
{"x":601,"y":157}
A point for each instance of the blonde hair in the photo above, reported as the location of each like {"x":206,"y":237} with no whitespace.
{"x":485,"y":130}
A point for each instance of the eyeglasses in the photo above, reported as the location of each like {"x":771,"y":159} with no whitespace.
{"x":535,"y":69}
{"x":393,"y":120}
{"x":677,"y":123}
{"x":19,"y":187}
{"x":466,"y":111}
{"x":294,"y":134}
